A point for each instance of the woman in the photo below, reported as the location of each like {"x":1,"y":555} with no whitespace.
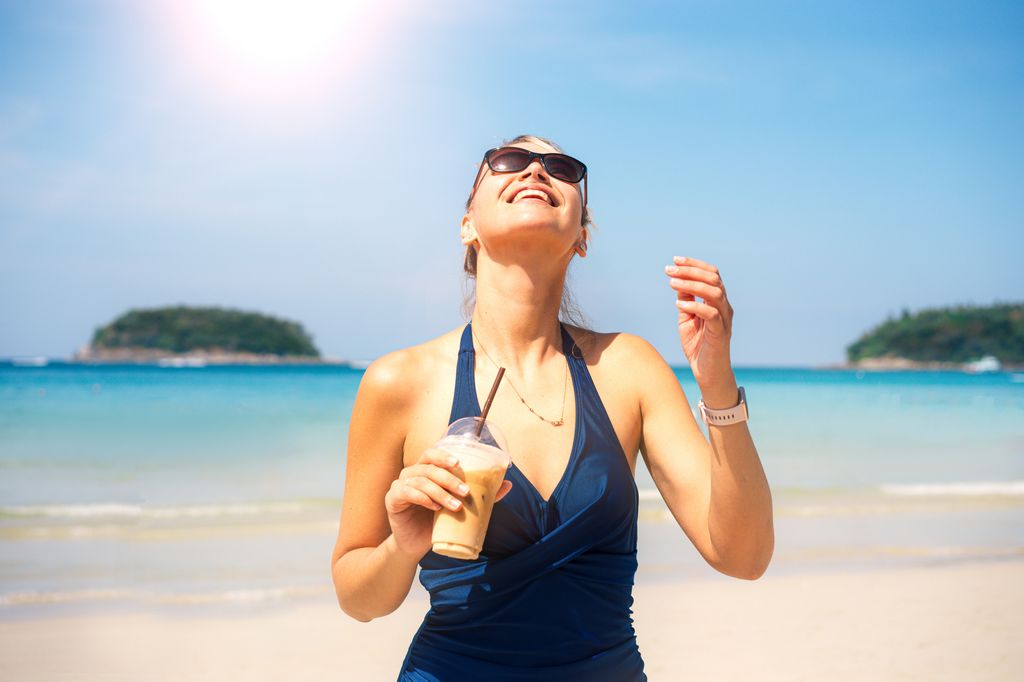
{"x":549,"y":598}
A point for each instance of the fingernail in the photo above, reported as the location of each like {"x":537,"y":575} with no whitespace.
{"x":463,"y":488}
{"x":453,"y":503}
{"x":669,"y":270}
{"x":679,"y":259}
{"x":453,"y":460}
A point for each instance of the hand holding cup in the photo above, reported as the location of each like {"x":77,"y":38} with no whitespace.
{"x":438,"y":481}
{"x":421,"y":489}
{"x":459,"y":531}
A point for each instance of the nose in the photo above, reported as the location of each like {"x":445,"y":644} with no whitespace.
{"x":535,"y":168}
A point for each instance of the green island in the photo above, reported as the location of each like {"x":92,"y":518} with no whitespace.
{"x":975,"y":338}
{"x":982,"y":338}
{"x":197,"y":335}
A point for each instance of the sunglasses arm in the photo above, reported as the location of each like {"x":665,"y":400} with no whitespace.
{"x":476,"y":182}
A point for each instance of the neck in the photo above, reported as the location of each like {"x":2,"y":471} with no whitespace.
{"x":516,"y":314}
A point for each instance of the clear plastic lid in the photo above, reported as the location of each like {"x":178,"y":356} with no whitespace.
{"x":467,"y":428}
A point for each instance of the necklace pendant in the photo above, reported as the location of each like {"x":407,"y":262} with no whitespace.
{"x":557,"y":423}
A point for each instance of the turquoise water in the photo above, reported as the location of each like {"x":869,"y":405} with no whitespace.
{"x":141,"y":484}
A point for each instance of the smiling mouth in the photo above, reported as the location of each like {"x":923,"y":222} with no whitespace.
{"x":532,"y":194}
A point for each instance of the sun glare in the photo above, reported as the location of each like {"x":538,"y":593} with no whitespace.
{"x":280,"y":35}
{"x":273,"y":49}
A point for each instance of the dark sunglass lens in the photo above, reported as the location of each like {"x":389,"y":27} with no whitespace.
{"x":509,"y":160}
{"x":564,"y":167}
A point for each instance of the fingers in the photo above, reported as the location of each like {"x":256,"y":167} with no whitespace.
{"x":691,"y":278}
{"x":708,"y":275}
{"x":437,"y":465}
{"x":690,"y":288}
{"x":681,"y":260}
{"x":437,"y":495}
{"x":439,"y":457}
{"x":693,"y":272}
{"x":429,"y":483}
{"x":704,"y":311}
{"x":403,"y":495}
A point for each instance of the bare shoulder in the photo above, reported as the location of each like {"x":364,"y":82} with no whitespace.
{"x":399,"y":377}
{"x":625,"y":367}
{"x":614,"y":350}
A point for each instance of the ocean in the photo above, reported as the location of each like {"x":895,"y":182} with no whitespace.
{"x":219,"y":487}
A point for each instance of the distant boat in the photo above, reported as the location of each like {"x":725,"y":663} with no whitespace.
{"x":35,"y":361}
{"x":182,"y":362}
{"x":989,"y":363}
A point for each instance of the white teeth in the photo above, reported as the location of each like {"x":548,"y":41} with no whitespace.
{"x":522,"y":194}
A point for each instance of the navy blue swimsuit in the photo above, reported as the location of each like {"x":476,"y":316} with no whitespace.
{"x":549,"y":597}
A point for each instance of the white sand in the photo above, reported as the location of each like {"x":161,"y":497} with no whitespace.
{"x":963,"y":622}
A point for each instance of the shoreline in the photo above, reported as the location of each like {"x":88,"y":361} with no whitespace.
{"x":212,"y":356}
{"x":904,"y":364}
{"x":247,"y":359}
{"x":182,"y":360}
{"x":882,"y":624}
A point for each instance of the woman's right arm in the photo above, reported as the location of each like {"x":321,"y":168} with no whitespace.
{"x":388,"y":509}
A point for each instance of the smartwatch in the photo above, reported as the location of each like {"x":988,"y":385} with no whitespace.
{"x":733,"y":415}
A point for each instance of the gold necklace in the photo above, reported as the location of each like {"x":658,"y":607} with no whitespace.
{"x":565,"y":385}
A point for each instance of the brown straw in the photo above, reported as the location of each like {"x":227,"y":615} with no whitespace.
{"x":490,"y":399}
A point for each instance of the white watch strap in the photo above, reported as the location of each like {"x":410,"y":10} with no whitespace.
{"x":733,"y":415}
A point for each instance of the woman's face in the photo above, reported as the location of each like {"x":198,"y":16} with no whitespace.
{"x":526,"y":205}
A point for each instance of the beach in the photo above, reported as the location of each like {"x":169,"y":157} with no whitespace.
{"x":177,"y":523}
{"x":941,"y":622}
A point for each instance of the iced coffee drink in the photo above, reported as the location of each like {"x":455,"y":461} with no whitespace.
{"x":482,"y":465}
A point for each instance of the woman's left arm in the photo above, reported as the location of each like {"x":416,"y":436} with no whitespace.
{"x":717,"y":491}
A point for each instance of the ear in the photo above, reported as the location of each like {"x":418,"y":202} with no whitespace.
{"x":467,"y":231}
{"x":581,"y":243}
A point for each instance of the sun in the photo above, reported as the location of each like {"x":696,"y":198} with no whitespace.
{"x":267,"y":48}
{"x":279,"y":35}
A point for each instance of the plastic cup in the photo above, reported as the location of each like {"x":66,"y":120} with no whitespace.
{"x":483,"y":461}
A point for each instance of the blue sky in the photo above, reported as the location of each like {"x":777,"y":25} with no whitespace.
{"x":838,"y":162}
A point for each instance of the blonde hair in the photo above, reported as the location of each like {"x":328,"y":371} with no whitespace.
{"x":569,"y":310}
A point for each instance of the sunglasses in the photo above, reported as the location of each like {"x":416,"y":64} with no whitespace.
{"x":515,"y":159}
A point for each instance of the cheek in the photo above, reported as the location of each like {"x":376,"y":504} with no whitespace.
{"x":576,"y":196}
{"x":487,"y":194}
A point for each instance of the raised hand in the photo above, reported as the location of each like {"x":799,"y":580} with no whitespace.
{"x":705,"y":327}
